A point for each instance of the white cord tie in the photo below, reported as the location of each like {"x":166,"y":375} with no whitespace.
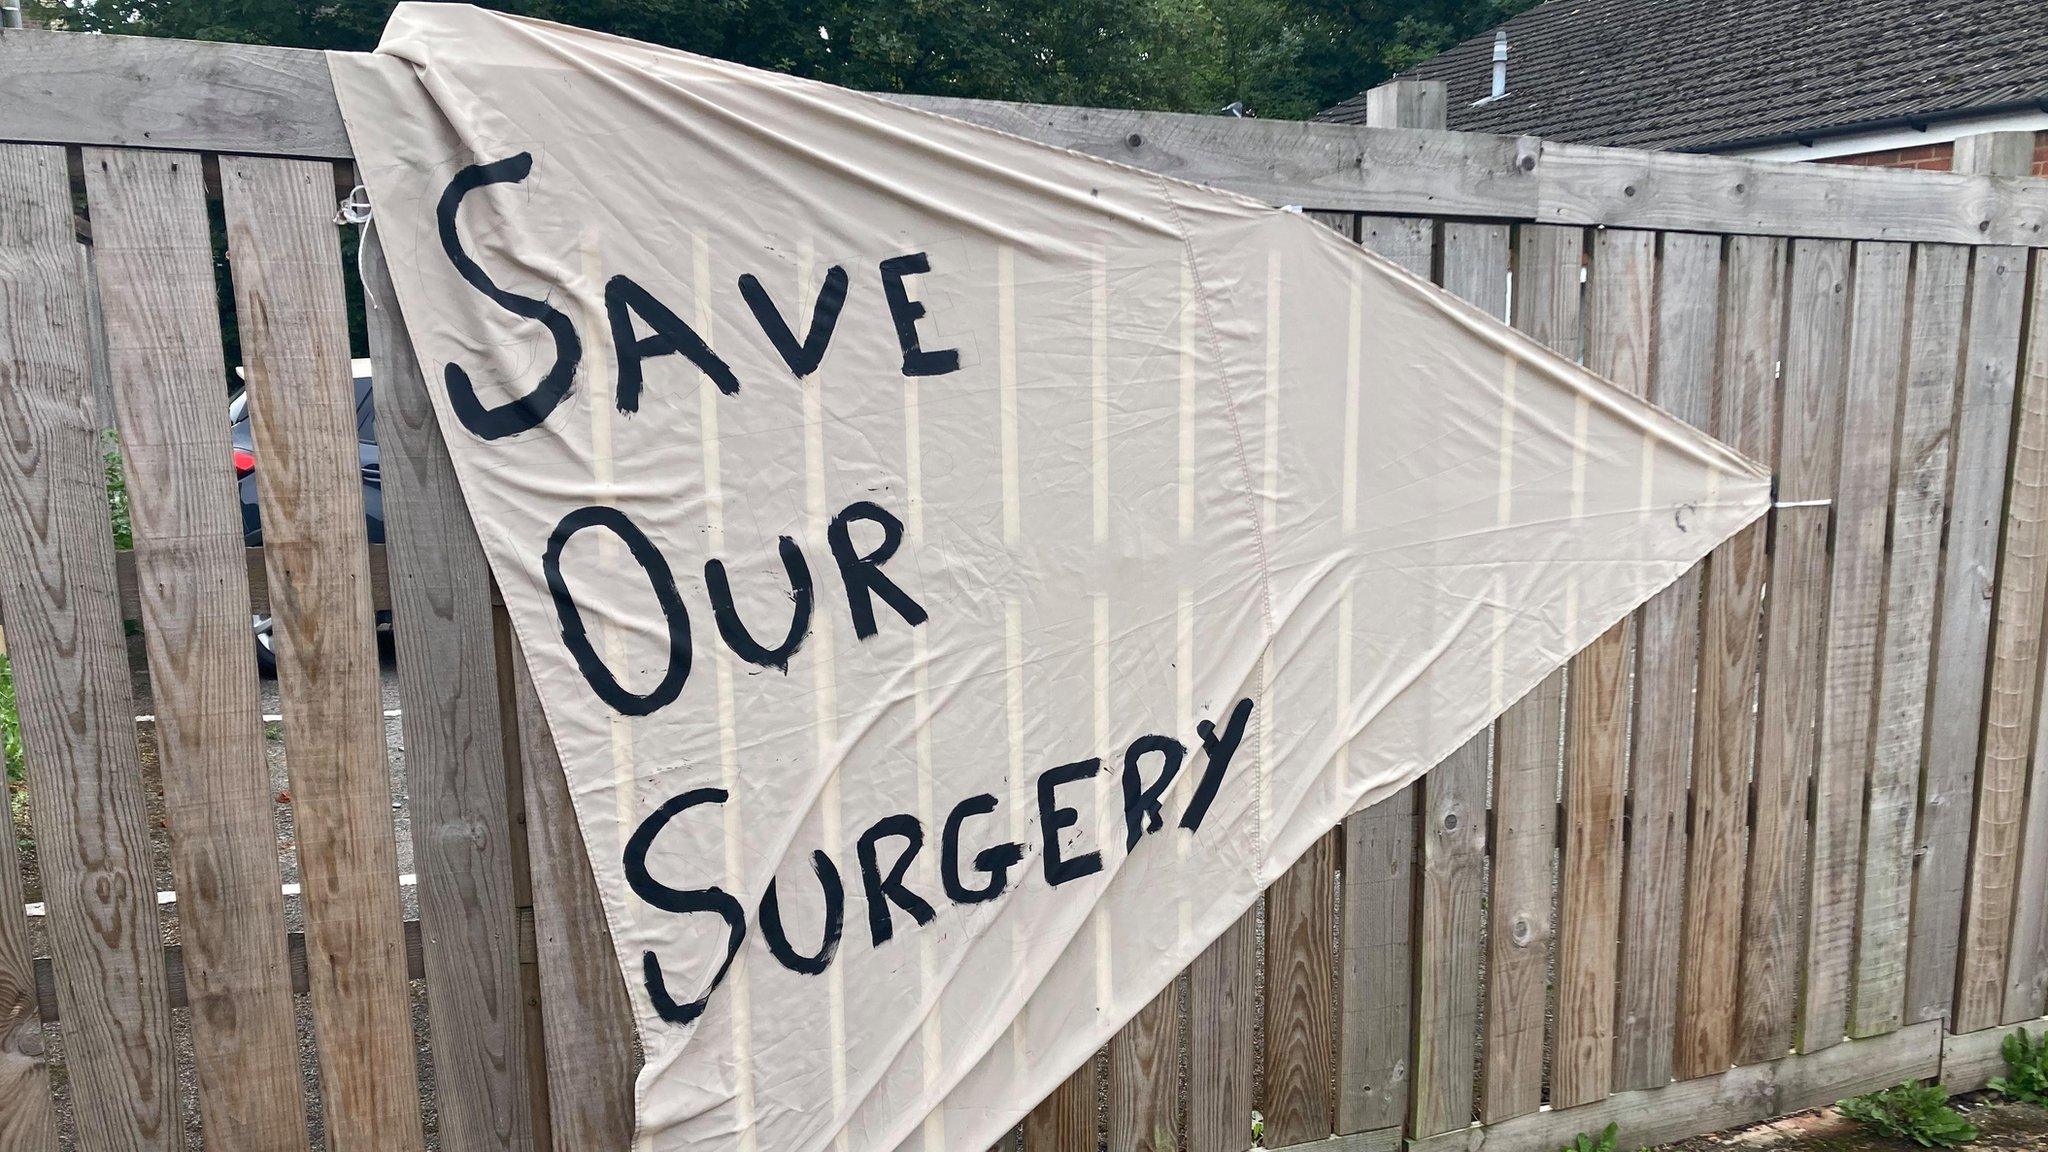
{"x":356,"y":208}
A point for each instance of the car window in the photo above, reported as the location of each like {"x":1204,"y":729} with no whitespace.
{"x":366,"y":411}
{"x":238,"y":406}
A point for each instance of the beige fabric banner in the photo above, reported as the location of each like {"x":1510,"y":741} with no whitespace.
{"x":961,"y":574}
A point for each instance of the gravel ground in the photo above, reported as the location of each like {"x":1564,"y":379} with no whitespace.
{"x":288,"y":867}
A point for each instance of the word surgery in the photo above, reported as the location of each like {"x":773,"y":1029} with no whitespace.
{"x":884,"y":853}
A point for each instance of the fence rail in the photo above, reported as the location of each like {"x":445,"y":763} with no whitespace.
{"x":1780,"y":838}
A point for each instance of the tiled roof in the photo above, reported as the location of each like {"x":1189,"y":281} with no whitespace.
{"x":1705,"y":74}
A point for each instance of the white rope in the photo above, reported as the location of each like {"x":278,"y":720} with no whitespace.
{"x":355,"y":208}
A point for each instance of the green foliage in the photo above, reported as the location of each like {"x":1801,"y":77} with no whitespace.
{"x":1282,"y":58}
{"x":1587,"y":1142}
{"x":2026,"y":1062}
{"x":117,"y":496}
{"x":10,"y":722}
{"x":1912,"y":1111}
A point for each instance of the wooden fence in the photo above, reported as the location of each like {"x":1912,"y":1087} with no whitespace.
{"x":1777,"y":840}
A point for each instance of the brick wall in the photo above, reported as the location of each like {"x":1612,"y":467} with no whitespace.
{"x":1933,"y":157}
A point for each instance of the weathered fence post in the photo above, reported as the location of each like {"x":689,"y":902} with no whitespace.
{"x":1997,"y":916}
{"x":1965,"y":934}
{"x":1994,"y":154}
{"x":1408,"y":104}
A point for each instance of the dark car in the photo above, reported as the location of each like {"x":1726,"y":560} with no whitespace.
{"x":245,"y":474}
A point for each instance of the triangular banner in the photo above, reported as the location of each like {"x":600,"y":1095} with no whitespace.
{"x":960,"y":574}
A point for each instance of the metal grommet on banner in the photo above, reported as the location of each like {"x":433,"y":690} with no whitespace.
{"x":355,"y":209}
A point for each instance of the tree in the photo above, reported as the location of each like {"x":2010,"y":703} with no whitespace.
{"x":1282,"y":58}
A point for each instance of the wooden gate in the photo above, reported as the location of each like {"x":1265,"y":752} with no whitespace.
{"x":1778,"y":839}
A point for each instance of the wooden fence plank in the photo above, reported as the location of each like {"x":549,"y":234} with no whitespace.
{"x":1526,"y":762}
{"x":288,"y":296}
{"x":1862,"y":494}
{"x":584,"y":1009}
{"x":1793,"y":665}
{"x":1375,"y":952}
{"x":1451,"y":895}
{"x":1065,"y":1120}
{"x":150,"y":92}
{"x":173,"y":959}
{"x":128,"y":586}
{"x":2026,"y":966}
{"x":447,"y":678}
{"x":1222,"y":1012}
{"x":1622,"y":286}
{"x":1408,"y":241}
{"x":1375,"y":1022}
{"x":27,"y":1122}
{"x":1144,"y":1077}
{"x":1678,"y":191}
{"x":1344,"y":224}
{"x":258,"y":582}
{"x":1752,"y":300}
{"x":1934,"y":349}
{"x":155,"y":259}
{"x":2026,"y":981}
{"x":71,"y":677}
{"x":536,"y":1057}
{"x":1448,"y":954}
{"x":1969,"y":1061}
{"x":67,"y":88}
{"x":1374,"y":1140}
{"x":1729,"y":1100}
{"x":1667,"y":669}
{"x":2009,"y":712}
{"x":1299,"y":996}
{"x":1963,"y":628}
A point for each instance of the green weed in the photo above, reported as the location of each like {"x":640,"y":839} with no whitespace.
{"x":2026,"y":1062}
{"x":1587,"y":1142}
{"x":1912,"y":1111}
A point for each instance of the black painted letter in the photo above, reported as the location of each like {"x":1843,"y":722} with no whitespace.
{"x":513,"y":416}
{"x":1054,"y":816}
{"x":734,"y":629}
{"x":656,"y":570}
{"x":1219,"y":750}
{"x":907,"y":312}
{"x":682,"y":901}
{"x":622,"y":299}
{"x":1141,"y":804}
{"x":882,"y":889}
{"x":835,"y":919}
{"x":994,"y":862}
{"x":803,"y":359}
{"x":862,"y":575}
